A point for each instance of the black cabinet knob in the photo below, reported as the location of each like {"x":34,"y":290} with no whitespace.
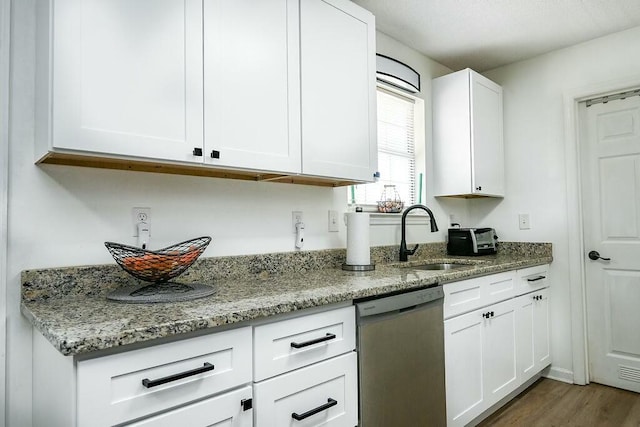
{"x":197,"y":151}
{"x":479,"y":188}
{"x":215,"y":154}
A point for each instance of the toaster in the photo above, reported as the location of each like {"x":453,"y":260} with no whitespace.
{"x":471,"y":241}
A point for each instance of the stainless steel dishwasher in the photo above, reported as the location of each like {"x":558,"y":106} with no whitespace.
{"x":401,"y":360}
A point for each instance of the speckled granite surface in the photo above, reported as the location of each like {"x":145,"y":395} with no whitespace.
{"x":68,"y":305}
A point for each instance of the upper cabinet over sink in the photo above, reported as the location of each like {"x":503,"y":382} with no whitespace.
{"x":279,"y":90}
{"x":468,"y":144}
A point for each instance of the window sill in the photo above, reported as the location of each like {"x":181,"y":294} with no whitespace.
{"x":377,"y":218}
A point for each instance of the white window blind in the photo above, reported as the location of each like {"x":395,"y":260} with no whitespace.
{"x":396,"y":151}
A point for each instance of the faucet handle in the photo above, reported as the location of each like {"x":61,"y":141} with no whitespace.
{"x":412,"y":251}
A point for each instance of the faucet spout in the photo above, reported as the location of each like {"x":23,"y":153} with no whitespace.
{"x":404,"y":252}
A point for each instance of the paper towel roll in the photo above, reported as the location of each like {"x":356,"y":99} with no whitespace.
{"x":358,"y":252}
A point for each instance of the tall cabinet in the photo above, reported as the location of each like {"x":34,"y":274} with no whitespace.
{"x":467,"y":136}
{"x":284,"y":88}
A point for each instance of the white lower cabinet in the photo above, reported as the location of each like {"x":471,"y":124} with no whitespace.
{"x":480,"y":360}
{"x":323,"y":394}
{"x":306,"y":370}
{"x":270,"y":374}
{"x":494,"y":341}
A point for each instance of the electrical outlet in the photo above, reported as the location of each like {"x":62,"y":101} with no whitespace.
{"x":523,"y":220}
{"x":139,"y":215}
{"x":296,"y":217}
{"x":333,"y":221}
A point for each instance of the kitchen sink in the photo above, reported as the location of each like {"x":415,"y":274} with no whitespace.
{"x":440,"y":266}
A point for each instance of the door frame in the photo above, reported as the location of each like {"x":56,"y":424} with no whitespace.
{"x":5,"y":55}
{"x":577,"y":267}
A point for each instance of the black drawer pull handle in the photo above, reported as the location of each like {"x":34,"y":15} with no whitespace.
{"x":535,"y":279}
{"x":329,"y":404}
{"x":312,"y":342}
{"x":197,"y":151}
{"x":152,"y":383}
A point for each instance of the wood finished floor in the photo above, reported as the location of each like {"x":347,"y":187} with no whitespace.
{"x":549,"y":403}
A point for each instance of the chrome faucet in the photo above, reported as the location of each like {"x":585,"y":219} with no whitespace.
{"x":404,"y":252}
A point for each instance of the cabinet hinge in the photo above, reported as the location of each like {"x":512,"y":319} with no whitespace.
{"x":246,"y":404}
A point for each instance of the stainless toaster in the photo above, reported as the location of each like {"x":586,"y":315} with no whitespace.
{"x":471,"y":241}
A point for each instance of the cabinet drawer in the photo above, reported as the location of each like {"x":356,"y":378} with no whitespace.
{"x":225,"y":408}
{"x":463,"y":296}
{"x":323,"y":394}
{"x":125,"y":386}
{"x":499,"y":287}
{"x":291,"y":344}
{"x":468,"y":295}
{"x":532,"y":278}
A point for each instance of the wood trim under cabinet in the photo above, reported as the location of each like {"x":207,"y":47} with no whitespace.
{"x":69,"y":159}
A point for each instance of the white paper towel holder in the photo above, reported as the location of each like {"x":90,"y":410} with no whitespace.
{"x":358,"y":267}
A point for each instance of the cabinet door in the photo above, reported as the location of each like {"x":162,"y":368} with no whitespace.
{"x":542,"y":346}
{"x":224,"y":410}
{"x":525,"y":357}
{"x":338,"y":90}
{"x":486,"y":136}
{"x":463,"y":342}
{"x":324,"y":394}
{"x":127,"y":77}
{"x":532,"y":328}
{"x":499,"y":351}
{"x":251,"y":84}
{"x":451,"y":134}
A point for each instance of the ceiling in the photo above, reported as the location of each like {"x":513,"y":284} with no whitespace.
{"x":485,"y":34}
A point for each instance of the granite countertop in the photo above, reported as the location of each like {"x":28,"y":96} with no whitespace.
{"x":68,"y":305}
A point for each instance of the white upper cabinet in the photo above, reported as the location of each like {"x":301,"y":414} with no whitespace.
{"x":338,"y":90}
{"x":251,"y":77}
{"x":125,"y":77}
{"x":252,"y":89}
{"x":468,"y":143}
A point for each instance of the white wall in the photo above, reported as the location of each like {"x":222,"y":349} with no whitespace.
{"x":60,"y":216}
{"x":535,"y":156}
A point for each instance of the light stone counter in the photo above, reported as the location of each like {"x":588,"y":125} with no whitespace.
{"x":68,"y":305}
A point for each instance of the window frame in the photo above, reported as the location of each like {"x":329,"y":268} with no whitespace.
{"x":419,"y":153}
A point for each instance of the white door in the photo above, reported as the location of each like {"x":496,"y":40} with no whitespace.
{"x":463,"y":341}
{"x":499,"y":352}
{"x":252,"y":84}
{"x":541,"y":332}
{"x":487,"y":151}
{"x":127,"y":77}
{"x":610,"y":168}
{"x":338,"y":90}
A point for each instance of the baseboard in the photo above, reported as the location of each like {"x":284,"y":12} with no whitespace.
{"x":558,"y":374}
